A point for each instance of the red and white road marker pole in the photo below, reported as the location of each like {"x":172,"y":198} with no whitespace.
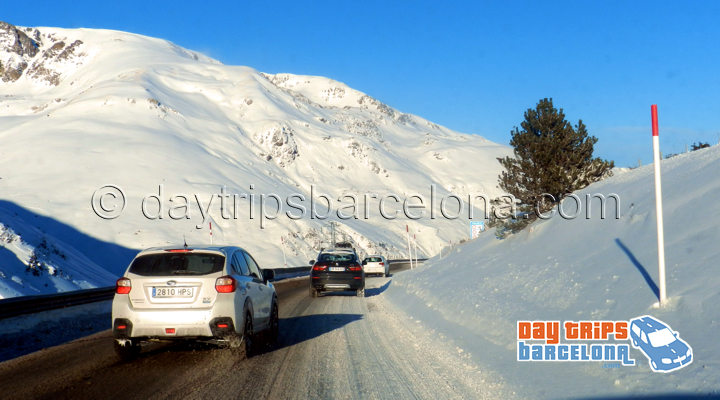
{"x":282,"y":244}
{"x":211,"y":238}
{"x":658,"y":205}
{"x":415,"y":243}
{"x":407,"y":233}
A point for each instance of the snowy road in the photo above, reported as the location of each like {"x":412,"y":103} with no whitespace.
{"x":337,"y":346}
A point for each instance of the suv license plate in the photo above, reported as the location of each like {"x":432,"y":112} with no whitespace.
{"x":172,"y":292}
{"x":337,"y":269}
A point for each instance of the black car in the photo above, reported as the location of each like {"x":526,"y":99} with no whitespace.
{"x":337,"y":270}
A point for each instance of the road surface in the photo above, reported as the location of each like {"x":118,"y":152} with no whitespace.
{"x":334,"y":347}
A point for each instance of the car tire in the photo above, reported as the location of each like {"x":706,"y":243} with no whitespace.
{"x":241,"y":344}
{"x":128,"y":350}
{"x":313,"y":292}
{"x":246,"y":347}
{"x":274,"y":329}
{"x":360,"y":292}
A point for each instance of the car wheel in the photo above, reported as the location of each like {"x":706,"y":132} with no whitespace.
{"x":313,"y":292}
{"x":274,"y":331}
{"x":246,"y":346}
{"x":242,"y":343}
{"x":360,"y":292}
{"x":127,"y":350}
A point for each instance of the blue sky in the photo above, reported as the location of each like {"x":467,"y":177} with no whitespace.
{"x":474,"y":67}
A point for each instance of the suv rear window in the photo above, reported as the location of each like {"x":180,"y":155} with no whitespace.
{"x":174,"y":264}
{"x":373,"y":259}
{"x":342,"y":258}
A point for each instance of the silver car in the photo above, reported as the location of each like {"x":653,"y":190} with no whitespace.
{"x":217,"y":294}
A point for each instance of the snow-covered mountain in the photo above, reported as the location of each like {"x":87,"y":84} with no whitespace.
{"x":587,"y":269}
{"x":81,"y":109}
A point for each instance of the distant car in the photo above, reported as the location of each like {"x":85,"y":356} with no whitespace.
{"x":217,"y":294}
{"x":663,"y":347}
{"x":376,"y":264}
{"x":336,"y":270}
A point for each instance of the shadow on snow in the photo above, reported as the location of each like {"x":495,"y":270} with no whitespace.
{"x":648,"y":279}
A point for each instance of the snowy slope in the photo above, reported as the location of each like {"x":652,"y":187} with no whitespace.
{"x":80,"y":109}
{"x":588,"y":269}
{"x":39,"y":255}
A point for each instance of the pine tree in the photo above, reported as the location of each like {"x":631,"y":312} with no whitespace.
{"x":551,"y":158}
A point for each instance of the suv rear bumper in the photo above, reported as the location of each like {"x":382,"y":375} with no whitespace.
{"x":337,"y":283}
{"x":218,"y":328}
{"x":167,"y":323}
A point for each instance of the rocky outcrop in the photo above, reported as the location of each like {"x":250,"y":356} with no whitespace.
{"x":278,"y":143}
{"x":25,"y":51}
{"x":17,"y":48}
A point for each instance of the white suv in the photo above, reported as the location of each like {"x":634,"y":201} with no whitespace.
{"x":376,"y":264}
{"x":210,"y":293}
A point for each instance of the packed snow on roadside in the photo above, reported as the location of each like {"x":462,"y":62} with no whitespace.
{"x":588,"y":269}
{"x":24,"y":334}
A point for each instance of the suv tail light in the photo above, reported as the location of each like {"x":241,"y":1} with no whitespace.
{"x":319,"y":267}
{"x":355,"y":267}
{"x":382,"y":263}
{"x":225,"y":284}
{"x":123,"y":286}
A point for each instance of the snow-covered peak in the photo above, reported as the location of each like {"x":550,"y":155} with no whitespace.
{"x":52,"y":56}
{"x":329,"y":93}
{"x":321,"y":90}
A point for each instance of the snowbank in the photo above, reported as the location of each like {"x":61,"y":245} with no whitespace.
{"x":588,"y":269}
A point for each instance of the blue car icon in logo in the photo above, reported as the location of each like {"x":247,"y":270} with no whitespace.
{"x":662,"y":346}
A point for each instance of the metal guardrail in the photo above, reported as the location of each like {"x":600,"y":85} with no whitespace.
{"x":31,"y":304}
{"x":407,"y":260}
{"x":15,"y":306}
{"x":291,"y":272}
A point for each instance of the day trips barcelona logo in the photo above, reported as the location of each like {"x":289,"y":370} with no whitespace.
{"x":603,"y":341}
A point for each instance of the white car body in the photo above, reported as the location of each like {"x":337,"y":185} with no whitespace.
{"x":376,"y":264}
{"x":191,"y":303}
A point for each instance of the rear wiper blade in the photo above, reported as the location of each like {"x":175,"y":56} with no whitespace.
{"x":185,"y":272}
